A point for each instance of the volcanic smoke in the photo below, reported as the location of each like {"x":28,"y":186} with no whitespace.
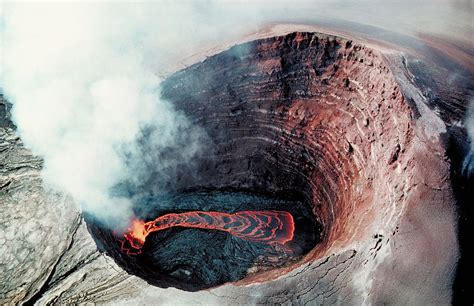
{"x":269,"y":227}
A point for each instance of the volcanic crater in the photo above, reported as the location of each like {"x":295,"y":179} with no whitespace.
{"x":307,"y":123}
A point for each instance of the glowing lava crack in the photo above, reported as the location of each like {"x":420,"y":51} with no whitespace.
{"x":258,"y":226}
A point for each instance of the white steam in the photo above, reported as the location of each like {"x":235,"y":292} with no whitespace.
{"x":468,"y":163}
{"x":82,"y":93}
{"x":82,"y":77}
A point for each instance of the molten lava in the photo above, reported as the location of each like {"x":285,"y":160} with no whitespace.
{"x":259,"y":226}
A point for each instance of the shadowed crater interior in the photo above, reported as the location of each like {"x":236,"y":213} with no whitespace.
{"x":194,"y":259}
{"x":292,"y":124}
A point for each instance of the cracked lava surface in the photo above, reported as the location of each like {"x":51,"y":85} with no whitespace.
{"x":259,"y":226}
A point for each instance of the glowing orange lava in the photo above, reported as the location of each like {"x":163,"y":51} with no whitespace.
{"x":259,"y":226}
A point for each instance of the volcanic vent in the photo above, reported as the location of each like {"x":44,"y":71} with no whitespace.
{"x":305,"y":125}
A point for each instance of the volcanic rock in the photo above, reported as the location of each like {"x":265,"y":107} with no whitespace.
{"x":342,"y":124}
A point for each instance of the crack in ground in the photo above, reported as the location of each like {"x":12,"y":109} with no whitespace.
{"x":46,"y":285}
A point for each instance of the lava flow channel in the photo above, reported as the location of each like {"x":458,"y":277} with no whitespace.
{"x":259,"y":226}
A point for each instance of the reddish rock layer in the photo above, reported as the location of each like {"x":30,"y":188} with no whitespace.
{"x":325,"y":117}
{"x":302,"y":112}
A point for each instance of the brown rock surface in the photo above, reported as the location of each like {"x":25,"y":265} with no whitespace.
{"x":308,"y":112}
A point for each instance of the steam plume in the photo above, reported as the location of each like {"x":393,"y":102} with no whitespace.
{"x":468,"y":164}
{"x":83,"y":94}
{"x":82,"y":78}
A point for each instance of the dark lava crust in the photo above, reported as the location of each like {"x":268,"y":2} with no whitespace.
{"x":193,"y":259}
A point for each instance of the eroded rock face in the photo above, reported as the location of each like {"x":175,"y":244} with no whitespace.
{"x":33,"y":234}
{"x":307,"y":113}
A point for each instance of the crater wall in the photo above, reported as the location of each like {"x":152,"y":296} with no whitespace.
{"x":303,"y":112}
